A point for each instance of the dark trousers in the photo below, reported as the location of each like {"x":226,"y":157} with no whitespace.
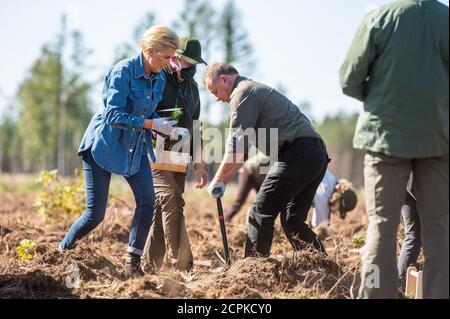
{"x":288,"y":190}
{"x":245,"y":184}
{"x":411,"y":244}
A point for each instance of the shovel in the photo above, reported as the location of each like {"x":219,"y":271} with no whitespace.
{"x":223,"y":230}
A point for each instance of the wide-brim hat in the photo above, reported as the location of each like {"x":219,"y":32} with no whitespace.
{"x":191,"y":50}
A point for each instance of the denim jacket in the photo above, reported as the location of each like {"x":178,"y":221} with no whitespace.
{"x":115,"y":134}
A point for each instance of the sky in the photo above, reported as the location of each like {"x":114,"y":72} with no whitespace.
{"x":298,"y":44}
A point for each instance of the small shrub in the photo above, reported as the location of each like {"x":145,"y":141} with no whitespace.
{"x":60,"y":200}
{"x":26,"y":250}
{"x":360,"y":239}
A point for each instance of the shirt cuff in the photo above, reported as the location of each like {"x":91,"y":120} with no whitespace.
{"x":137,"y":123}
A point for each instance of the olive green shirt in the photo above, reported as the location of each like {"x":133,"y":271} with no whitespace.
{"x":398,"y":66}
{"x":257,"y":106}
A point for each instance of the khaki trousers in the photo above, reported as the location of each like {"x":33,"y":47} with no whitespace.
{"x":168,"y":243}
{"x":385,"y":179}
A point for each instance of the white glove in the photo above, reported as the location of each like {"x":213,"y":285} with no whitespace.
{"x":164,"y":125}
{"x":216,"y":189}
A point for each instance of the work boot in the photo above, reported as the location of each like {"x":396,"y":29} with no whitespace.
{"x":133,"y":266}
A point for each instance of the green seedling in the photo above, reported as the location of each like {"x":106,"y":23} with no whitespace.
{"x":177,"y":114}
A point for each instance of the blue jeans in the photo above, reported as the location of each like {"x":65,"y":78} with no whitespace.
{"x":411,"y":244}
{"x":97,"y":182}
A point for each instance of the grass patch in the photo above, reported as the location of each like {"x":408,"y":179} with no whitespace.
{"x":19,"y":183}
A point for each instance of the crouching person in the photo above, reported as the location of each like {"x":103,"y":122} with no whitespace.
{"x":291,"y":183}
{"x":333,"y":196}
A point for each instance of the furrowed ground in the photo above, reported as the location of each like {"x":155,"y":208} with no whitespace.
{"x":99,"y":257}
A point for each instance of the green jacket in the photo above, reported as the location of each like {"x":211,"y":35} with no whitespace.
{"x":398,"y":66}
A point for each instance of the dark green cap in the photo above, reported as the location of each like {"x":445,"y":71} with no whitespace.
{"x":191,"y":50}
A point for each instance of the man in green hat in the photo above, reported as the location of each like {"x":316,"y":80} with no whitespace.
{"x":191,"y":51}
{"x":168,"y":243}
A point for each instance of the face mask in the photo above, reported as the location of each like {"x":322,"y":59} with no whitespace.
{"x":188,"y":73}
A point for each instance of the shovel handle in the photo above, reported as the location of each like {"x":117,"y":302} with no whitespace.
{"x":223,"y":231}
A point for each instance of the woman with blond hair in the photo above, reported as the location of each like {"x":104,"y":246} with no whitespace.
{"x":118,"y":140}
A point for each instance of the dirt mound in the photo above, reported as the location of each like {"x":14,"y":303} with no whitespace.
{"x":257,"y":273}
{"x":46,"y":275}
{"x":241,"y":291}
{"x":310,"y":272}
{"x":314,"y":272}
{"x":136,"y":288}
{"x":93,"y":265}
{"x":33,"y":284}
